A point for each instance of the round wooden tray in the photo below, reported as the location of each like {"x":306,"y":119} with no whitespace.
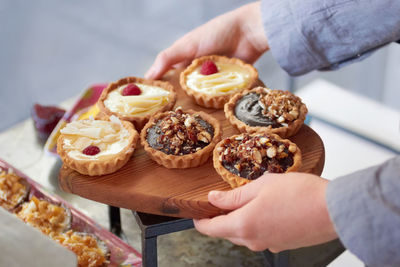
{"x":143,"y":185}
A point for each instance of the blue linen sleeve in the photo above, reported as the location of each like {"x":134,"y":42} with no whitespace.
{"x":365,"y":209}
{"x":327,"y":34}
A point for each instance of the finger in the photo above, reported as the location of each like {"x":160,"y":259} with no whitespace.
{"x":236,"y":198}
{"x":179,"y":52}
{"x":220,"y":226}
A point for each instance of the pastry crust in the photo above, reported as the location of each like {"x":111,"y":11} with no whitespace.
{"x":184,"y":161}
{"x":235,"y":180}
{"x":284,"y":131}
{"x":100,"y":166}
{"x":215,"y":101}
{"x":138,"y":121}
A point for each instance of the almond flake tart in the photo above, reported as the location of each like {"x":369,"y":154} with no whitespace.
{"x":211,"y":80}
{"x":181,"y":139}
{"x":97,"y":147}
{"x":136,"y":100}
{"x":242,"y":158}
{"x":267,"y":111}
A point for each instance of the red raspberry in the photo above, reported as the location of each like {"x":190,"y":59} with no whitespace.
{"x":208,"y":68}
{"x":91,"y":150}
{"x":131,"y":89}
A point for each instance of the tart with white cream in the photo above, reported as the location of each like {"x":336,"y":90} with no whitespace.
{"x":136,"y":100}
{"x":211,"y":80}
{"x":239,"y":159}
{"x":266,"y":111}
{"x":97,"y":147}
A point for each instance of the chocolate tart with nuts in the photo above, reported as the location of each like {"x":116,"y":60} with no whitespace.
{"x":242,"y":158}
{"x":267,"y":111}
{"x":136,"y":100}
{"x":211,"y":80}
{"x":181,"y":139}
{"x":97,"y":147}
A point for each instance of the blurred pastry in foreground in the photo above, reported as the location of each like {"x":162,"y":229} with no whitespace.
{"x":97,"y":147}
{"x":49,"y":218}
{"x":211,"y":80}
{"x":242,"y":158}
{"x":14,"y":190}
{"x":136,"y":100}
{"x":266,"y":111}
{"x":89,"y":249}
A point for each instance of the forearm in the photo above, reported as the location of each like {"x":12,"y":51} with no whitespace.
{"x":315,"y":34}
{"x":365,"y":210}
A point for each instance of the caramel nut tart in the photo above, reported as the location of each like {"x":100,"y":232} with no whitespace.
{"x":211,"y":80}
{"x":14,"y":190}
{"x":265,"y":110}
{"x":242,"y":158}
{"x":89,"y":249}
{"x":181,"y":139}
{"x":49,"y":218}
{"x":136,"y":100}
{"x":97,"y":147}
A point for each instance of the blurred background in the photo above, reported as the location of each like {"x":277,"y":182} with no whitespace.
{"x":52,"y":50}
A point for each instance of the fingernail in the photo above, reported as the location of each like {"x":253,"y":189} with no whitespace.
{"x":215,"y":194}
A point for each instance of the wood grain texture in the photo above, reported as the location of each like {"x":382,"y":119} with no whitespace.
{"x":144,"y":186}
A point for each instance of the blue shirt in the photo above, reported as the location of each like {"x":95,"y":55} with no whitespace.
{"x":306,"y":35}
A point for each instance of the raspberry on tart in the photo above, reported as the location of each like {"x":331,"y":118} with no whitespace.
{"x":136,"y":100}
{"x":97,"y":147}
{"x":180,"y":139}
{"x":264,"y":110}
{"x":211,"y":80}
{"x":242,"y":158}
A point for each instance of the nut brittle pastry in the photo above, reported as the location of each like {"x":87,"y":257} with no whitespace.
{"x":90,"y":250}
{"x":136,"y":100}
{"x":211,"y":80}
{"x":242,"y":158}
{"x":264,"y":110}
{"x":97,"y":147}
{"x":49,"y":218}
{"x":181,"y":139}
{"x":14,"y":190}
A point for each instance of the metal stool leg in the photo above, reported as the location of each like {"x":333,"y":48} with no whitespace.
{"x":114,"y":215}
{"x":149,"y":251}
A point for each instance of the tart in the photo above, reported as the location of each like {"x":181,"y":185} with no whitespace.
{"x":265,"y":110}
{"x":14,"y":190}
{"x":136,"y":99}
{"x":242,"y":158}
{"x":211,"y":80}
{"x":97,"y":147}
{"x":181,"y":139}
{"x":89,"y":249}
{"x":49,"y":218}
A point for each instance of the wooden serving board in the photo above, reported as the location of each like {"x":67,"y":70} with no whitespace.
{"x":143,"y":185}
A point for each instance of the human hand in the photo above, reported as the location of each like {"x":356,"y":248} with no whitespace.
{"x":275,"y":212}
{"x":238,"y":33}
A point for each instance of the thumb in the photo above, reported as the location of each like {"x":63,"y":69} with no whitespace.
{"x":233,"y":199}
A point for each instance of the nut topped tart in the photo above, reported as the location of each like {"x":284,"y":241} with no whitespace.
{"x":181,"y":139}
{"x":265,"y":110}
{"x":242,"y":158}
{"x":49,"y":218}
{"x":97,"y":147}
{"x":212,"y":80}
{"x":136,"y":100}
{"x":13,"y":190}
